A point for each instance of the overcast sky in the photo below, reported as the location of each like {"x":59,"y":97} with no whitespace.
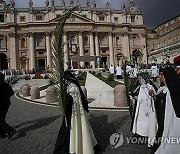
{"x":155,"y":11}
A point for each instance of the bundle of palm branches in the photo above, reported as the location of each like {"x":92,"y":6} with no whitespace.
{"x":57,"y":75}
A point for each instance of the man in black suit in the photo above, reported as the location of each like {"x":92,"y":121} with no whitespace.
{"x":6,"y":92}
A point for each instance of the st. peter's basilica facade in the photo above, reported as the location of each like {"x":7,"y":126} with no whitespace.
{"x":93,"y":37}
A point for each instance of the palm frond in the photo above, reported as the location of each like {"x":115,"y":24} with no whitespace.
{"x":58,"y":63}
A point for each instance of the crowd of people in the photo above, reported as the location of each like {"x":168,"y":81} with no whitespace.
{"x":156,"y":115}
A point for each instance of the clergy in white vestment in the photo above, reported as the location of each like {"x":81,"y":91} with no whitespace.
{"x":154,"y":72}
{"x":111,"y":69}
{"x":118,"y":72}
{"x":128,"y":69}
{"x":141,"y":125}
{"x":170,"y":143}
{"x":133,"y":72}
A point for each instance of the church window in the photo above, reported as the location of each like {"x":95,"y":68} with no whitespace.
{"x":72,"y":40}
{"x":101,"y":40}
{"x":132,"y":18}
{"x":39,"y":17}
{"x":101,"y":18}
{"x":103,"y":51}
{"x":40,"y":41}
{"x":86,"y":51}
{"x":2,"y":43}
{"x":134,"y":40}
{"x":115,"y":19}
{"x":22,"y":19}
{"x":1,"y":17}
{"x":72,"y":18}
{"x":40,"y":53}
{"x":86,"y":42}
{"x":117,"y":41}
{"x":23,"y":43}
{"x":58,"y":15}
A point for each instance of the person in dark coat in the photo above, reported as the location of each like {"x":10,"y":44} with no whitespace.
{"x":6,"y":92}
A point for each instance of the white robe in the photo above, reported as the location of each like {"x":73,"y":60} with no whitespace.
{"x":142,"y":115}
{"x":118,"y":70}
{"x":171,"y":129}
{"x":154,"y":71}
{"x":111,"y":70}
{"x":82,"y":137}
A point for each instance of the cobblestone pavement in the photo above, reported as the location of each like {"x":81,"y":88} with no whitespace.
{"x":38,"y":127}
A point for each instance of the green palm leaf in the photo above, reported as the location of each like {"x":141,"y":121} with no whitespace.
{"x":58,"y":63}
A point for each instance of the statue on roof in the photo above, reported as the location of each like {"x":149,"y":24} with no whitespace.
{"x":87,"y":3}
{"x":62,"y":2}
{"x":47,"y":3}
{"x":123,"y":6}
{"x":30,"y":3}
{"x":52,"y":2}
{"x":107,"y":5}
{"x":94,"y":4}
{"x":71,"y":2}
{"x":78,"y":3}
{"x":12,"y":3}
{"x":132,"y":3}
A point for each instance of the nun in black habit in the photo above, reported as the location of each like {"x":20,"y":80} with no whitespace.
{"x":171,"y":129}
{"x":160,"y":102}
{"x":78,"y":136}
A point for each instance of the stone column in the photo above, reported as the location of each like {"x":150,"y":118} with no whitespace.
{"x":111,"y":52}
{"x":13,"y":53}
{"x":92,"y":48}
{"x":125,"y":44}
{"x":31,"y":50}
{"x":144,"y":48}
{"x":97,"y":49}
{"x":81,"y":52}
{"x":66,"y":58}
{"x":48,"y":50}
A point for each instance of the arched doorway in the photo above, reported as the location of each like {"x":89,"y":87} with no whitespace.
{"x":103,"y":62}
{"x":3,"y":61}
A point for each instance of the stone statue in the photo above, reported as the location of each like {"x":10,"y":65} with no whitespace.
{"x":132,"y":2}
{"x":12,"y":3}
{"x":123,"y":6}
{"x":94,"y":4}
{"x":71,"y":2}
{"x":88,"y":4}
{"x":78,"y":3}
{"x":47,"y":3}
{"x":30,"y":3}
{"x":62,"y":2}
{"x":52,"y":2}
{"x":107,"y":5}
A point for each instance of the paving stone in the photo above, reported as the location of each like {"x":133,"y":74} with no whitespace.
{"x":39,"y":125}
